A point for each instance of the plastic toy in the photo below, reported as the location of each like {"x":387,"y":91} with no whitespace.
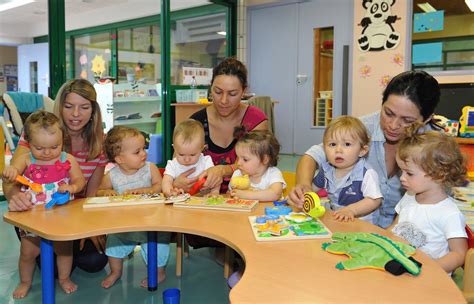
{"x":312,"y":205}
{"x":278,"y":210}
{"x":197,"y":186}
{"x":298,"y":217}
{"x":58,"y":199}
{"x":283,"y":202}
{"x":271,"y":224}
{"x":34,"y":186}
{"x":370,"y":250}
{"x":294,"y":226}
{"x":467,"y":122}
{"x":448,"y":126}
{"x":240,"y":182}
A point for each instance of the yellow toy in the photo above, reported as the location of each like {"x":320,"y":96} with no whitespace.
{"x":240,"y":182}
{"x":312,"y":205}
{"x":467,"y":122}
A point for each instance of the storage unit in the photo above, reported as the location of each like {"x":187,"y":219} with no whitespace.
{"x":131,"y":104}
{"x":322,"y":112}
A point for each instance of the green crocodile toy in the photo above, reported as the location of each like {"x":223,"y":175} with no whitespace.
{"x":371,"y":250}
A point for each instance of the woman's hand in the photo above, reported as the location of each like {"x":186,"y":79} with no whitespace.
{"x":214,"y":177}
{"x":20,"y":202}
{"x":10,"y":173}
{"x":296,"y":195}
{"x":98,"y":241}
{"x":184,"y":182}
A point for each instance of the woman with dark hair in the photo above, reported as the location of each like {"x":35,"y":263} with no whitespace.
{"x":409,"y":97}
{"x":224,"y":122}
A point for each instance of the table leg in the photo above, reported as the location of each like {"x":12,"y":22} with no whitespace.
{"x":152,"y":264}
{"x":47,"y":271}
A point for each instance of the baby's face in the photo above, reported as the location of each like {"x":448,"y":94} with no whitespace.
{"x":187,"y":153}
{"x":343,"y":150}
{"x":414,"y":179}
{"x":46,"y":145}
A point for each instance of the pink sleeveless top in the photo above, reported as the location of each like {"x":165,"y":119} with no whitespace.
{"x":49,"y":176}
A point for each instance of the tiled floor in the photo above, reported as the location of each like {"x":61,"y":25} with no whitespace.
{"x":288,"y":162}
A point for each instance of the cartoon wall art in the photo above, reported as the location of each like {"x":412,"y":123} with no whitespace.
{"x":365,"y":71}
{"x":378,"y":32}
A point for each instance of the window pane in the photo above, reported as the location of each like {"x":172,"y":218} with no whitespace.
{"x":441,"y":38}
{"x":136,"y":95}
{"x":92,"y":56}
{"x":139,"y":54}
{"x":197,"y":45}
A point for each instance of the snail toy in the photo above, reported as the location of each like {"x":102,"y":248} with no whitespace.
{"x":312,"y":205}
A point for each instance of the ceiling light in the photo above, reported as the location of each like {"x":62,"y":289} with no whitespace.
{"x":13,"y":4}
{"x":470,"y":3}
{"x":221,"y":33}
{"x":426,"y":7}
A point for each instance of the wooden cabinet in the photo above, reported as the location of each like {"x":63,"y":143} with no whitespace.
{"x":322,"y":112}
{"x":185,"y":110}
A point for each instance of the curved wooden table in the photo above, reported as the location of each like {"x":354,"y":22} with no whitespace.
{"x":276,"y":272}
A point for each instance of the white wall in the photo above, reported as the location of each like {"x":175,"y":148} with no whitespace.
{"x":29,"y":53}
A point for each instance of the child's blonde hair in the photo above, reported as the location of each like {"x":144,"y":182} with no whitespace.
{"x":188,"y":130}
{"x":437,"y":154}
{"x":114,"y":138}
{"x":347,"y":125}
{"x":261,"y":143}
{"x":42,"y":120}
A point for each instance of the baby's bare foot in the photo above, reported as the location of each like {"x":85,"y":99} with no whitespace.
{"x":161,"y":278}
{"x":110,"y":280}
{"x":21,"y":290}
{"x":67,"y":285}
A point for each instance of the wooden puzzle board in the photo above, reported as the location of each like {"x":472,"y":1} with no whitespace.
{"x":313,"y":229}
{"x":218,"y":203}
{"x":123,"y":200}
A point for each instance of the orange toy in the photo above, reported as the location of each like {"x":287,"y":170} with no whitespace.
{"x":34,"y":186}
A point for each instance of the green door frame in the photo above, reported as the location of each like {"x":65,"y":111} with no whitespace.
{"x":57,"y":42}
{"x":167,"y":113}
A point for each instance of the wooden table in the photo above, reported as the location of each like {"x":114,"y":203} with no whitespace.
{"x":276,"y":272}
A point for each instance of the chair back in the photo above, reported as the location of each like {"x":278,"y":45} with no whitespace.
{"x":265,"y":104}
{"x":20,"y":105}
{"x":290,"y":179}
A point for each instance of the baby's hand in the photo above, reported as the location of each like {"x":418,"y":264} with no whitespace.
{"x":344,"y":214}
{"x":10,"y":173}
{"x":65,"y":188}
{"x":235,"y":193}
{"x":137,"y":191}
{"x":109,"y":192}
{"x":173,"y":192}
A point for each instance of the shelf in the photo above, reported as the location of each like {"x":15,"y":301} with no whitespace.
{"x":135,"y":121}
{"x":465,"y":140}
{"x":136,"y":99}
